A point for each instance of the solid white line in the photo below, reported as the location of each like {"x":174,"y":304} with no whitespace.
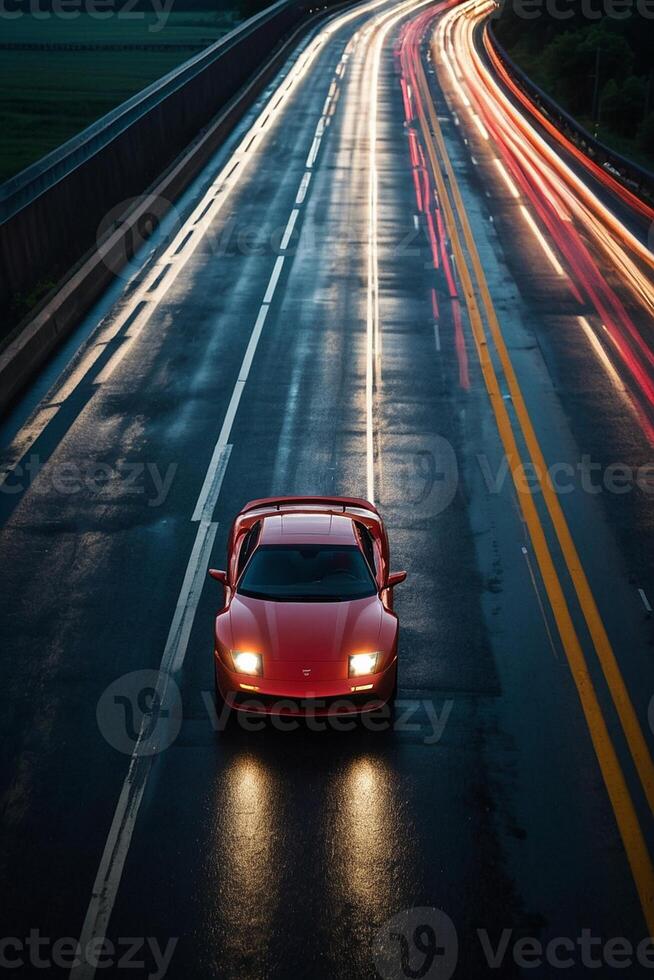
{"x":217,"y":456}
{"x":272,"y":285}
{"x":225,"y":432}
{"x":122,"y":826}
{"x":196,"y":572}
{"x":645,"y":600}
{"x":371,"y":303}
{"x":202,"y":216}
{"x":218,"y":467}
{"x":302,"y":192}
{"x":290,"y":225}
{"x":373,"y":328}
{"x":246,"y":363}
{"x":118,"y":841}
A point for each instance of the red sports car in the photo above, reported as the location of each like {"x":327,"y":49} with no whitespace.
{"x":308,"y":624}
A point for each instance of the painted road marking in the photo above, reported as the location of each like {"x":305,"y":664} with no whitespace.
{"x":304,"y":184}
{"x":539,"y":600}
{"x":272,"y":285}
{"x":619,"y":693}
{"x":614,"y":780}
{"x":118,"y":840}
{"x":641,"y":593}
{"x":290,"y":225}
{"x":110,"y":871}
{"x":313,"y":152}
{"x":202,"y":216}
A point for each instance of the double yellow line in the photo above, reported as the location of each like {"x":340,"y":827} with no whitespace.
{"x":621,"y":801}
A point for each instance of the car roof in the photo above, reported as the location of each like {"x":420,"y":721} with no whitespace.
{"x":306,"y":527}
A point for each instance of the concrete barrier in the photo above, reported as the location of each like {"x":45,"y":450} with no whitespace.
{"x":50,"y":213}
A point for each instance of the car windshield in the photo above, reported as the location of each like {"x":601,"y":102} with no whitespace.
{"x":307,"y":573}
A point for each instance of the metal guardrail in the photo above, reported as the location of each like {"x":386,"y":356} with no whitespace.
{"x":19,"y":191}
{"x":50,"y":213}
{"x":634,"y":177}
{"x":31,"y":342}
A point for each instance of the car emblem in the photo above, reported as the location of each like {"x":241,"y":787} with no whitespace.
{"x":306,"y":671}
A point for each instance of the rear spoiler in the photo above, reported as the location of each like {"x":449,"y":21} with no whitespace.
{"x":342,"y":503}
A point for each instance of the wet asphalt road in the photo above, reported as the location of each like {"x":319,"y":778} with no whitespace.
{"x":282,"y":854}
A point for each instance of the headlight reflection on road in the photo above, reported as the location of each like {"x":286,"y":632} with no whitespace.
{"x":244,"y":868}
{"x":370,"y":840}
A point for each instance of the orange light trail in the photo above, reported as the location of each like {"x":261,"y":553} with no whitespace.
{"x":602,"y":262}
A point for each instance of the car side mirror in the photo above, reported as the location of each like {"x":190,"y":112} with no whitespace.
{"x":395,"y":578}
{"x":219,"y":575}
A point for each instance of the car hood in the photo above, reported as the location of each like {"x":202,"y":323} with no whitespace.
{"x":305,"y":631}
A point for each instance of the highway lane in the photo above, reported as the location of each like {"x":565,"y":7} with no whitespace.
{"x":270,"y":853}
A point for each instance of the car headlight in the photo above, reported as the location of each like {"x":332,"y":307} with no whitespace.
{"x":363,"y":663}
{"x":246,"y":662}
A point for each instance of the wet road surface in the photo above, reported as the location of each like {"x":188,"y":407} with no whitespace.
{"x":314,"y":323}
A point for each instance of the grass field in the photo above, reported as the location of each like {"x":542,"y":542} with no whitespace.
{"x":49,"y":90}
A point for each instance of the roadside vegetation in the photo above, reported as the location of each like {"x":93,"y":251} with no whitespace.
{"x":58,"y":74}
{"x":600,"y":70}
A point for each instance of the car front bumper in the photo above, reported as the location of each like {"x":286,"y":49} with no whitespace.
{"x":349,"y":696}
